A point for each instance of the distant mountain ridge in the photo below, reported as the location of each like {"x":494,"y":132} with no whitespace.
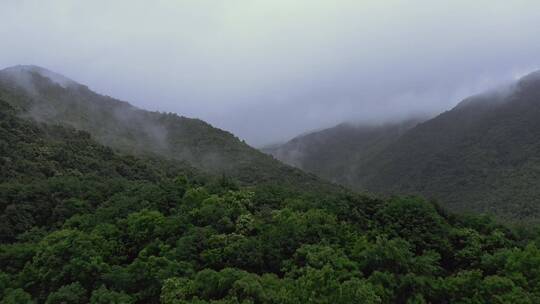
{"x":49,"y":97}
{"x":332,"y":153}
{"x":482,"y":156}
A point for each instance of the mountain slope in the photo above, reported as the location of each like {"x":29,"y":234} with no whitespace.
{"x":51,"y":98}
{"x":49,"y":163}
{"x":482,"y":156}
{"x":332,"y":153}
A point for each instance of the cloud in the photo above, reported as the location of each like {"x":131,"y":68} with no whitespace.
{"x":268,"y":70}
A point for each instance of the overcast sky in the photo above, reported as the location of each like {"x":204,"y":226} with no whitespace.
{"x":267,"y":70}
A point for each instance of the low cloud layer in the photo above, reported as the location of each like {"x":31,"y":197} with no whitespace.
{"x":268,"y":70}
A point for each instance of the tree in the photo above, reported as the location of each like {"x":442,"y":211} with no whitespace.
{"x":73,"y":293}
{"x":65,"y":256}
{"x":16,"y":296}
{"x":416,"y":221}
{"x":103,"y":295}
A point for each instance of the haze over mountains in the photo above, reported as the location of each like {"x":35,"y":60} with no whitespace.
{"x":483,"y":155}
{"x":332,"y":153}
{"x":480,"y":156}
{"x":131,"y":167}
{"x":49,"y":97}
{"x":269,"y":70}
{"x":82,"y":223}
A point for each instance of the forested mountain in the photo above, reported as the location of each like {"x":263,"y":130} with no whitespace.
{"x":52,"y":98}
{"x":334,"y":153}
{"x":482,"y":156}
{"x":81,"y":223}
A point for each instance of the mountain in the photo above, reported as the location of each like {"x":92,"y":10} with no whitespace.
{"x":51,"y":98}
{"x":49,"y":163}
{"x":333,"y":153}
{"x":82,"y":223}
{"x":481,"y":156}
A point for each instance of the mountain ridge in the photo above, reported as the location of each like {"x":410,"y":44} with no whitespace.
{"x":127,"y":128}
{"x":329,"y":152}
{"x":481,"y":156}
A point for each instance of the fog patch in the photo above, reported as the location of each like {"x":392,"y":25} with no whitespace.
{"x":24,"y":76}
{"x":19,"y":77}
{"x":140,"y":121}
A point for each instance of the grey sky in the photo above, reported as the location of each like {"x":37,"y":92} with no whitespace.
{"x":268,"y":70}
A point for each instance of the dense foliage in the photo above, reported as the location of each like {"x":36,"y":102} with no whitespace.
{"x":482,"y":156}
{"x":83,"y":224}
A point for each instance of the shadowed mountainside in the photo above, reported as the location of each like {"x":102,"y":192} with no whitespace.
{"x":335,"y":152}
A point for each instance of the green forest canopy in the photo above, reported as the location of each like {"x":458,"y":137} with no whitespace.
{"x":81,"y":223}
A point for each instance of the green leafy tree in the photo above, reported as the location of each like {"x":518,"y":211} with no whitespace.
{"x":103,"y":295}
{"x":69,"y":294}
{"x":16,"y":296}
{"x":65,"y":256}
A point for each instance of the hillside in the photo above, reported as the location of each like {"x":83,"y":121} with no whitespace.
{"x":333,"y":153}
{"x":81,"y":223}
{"x":36,"y":156}
{"x":481,"y":156}
{"x":48,"y":97}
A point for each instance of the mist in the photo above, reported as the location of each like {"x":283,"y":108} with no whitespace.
{"x":269,"y":70}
